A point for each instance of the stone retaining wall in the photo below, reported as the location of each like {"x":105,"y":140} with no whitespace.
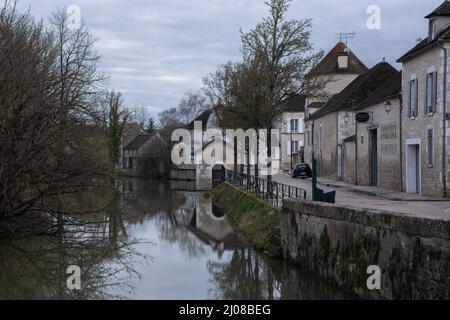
{"x":339,"y":244}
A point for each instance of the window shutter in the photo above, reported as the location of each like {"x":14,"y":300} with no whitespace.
{"x":289,"y":152}
{"x":410,"y":99}
{"x":425,"y":104}
{"x":434,"y":93}
{"x":416,"y":109}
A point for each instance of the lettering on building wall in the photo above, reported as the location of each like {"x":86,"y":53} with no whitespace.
{"x":389,"y":140}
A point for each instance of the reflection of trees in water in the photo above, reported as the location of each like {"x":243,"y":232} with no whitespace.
{"x":248,"y":276}
{"x":35,"y":268}
{"x":245,"y":277}
{"x":171,"y":211}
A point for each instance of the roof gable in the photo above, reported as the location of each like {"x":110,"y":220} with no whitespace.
{"x":329,"y":64}
{"x":203,"y":118}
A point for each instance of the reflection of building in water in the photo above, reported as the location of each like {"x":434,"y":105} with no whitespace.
{"x":211,"y":227}
{"x":180,"y":211}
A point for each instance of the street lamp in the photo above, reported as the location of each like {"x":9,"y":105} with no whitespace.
{"x":388,"y":106}
{"x":346,"y":117}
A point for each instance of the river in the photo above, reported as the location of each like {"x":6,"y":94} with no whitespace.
{"x":152,"y":243}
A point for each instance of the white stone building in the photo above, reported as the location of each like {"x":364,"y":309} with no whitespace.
{"x":339,"y":68}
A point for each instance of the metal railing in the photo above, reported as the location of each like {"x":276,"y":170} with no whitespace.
{"x":272,"y":192}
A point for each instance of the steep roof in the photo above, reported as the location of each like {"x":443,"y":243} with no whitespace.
{"x":442,"y":10}
{"x":389,"y":89}
{"x":295,"y":104}
{"x":329,"y":64}
{"x":203,"y":118}
{"x":362,"y":87}
{"x":316,"y":105}
{"x":425,"y":45}
{"x":137,"y":143}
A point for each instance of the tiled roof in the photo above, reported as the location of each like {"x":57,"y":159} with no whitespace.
{"x":442,"y":10}
{"x":137,"y":143}
{"x":203,"y":118}
{"x":316,"y":105}
{"x":391,"y":88}
{"x":295,"y":104}
{"x":426,"y":44}
{"x":329,"y":64}
{"x":362,"y":87}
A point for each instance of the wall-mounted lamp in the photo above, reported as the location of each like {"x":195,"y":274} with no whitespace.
{"x":388,"y":106}
{"x":346,"y":117}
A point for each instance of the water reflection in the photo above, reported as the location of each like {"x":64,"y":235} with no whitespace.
{"x":155,"y":241}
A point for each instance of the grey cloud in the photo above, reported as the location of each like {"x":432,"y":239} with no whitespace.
{"x":155,"y":50}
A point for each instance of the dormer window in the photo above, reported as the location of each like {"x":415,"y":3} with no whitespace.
{"x":432,"y":30}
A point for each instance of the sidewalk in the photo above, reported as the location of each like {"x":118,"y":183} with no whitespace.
{"x":378,"y":192}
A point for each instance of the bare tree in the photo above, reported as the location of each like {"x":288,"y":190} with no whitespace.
{"x":277,"y":57}
{"x":77,"y":64}
{"x":191,"y":105}
{"x":47,"y":151}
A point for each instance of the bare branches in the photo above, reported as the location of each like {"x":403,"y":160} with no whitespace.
{"x":48,"y":144}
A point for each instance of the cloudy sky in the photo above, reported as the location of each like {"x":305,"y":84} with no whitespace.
{"x":154,"y":50}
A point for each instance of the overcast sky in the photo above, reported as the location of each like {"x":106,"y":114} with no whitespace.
{"x":154,"y":50}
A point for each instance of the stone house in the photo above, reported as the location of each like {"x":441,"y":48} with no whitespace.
{"x":130,"y":133}
{"x":338,"y":69}
{"x":144,"y":146}
{"x":425,"y":117}
{"x":378,"y":160}
{"x":334,"y":127}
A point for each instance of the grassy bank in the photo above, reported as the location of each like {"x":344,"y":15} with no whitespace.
{"x":257,"y":221}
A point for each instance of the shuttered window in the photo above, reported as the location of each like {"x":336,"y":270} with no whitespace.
{"x":413,"y":98}
{"x":431,"y":93}
{"x":430,"y":147}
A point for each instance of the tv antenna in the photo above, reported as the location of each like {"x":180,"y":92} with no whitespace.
{"x":345,"y":36}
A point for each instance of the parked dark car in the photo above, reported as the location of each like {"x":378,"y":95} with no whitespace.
{"x":302,"y":170}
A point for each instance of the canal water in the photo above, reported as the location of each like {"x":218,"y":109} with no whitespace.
{"x":154,"y":242}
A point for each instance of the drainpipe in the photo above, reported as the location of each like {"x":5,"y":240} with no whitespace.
{"x":444,"y":138}
{"x":401,"y":143}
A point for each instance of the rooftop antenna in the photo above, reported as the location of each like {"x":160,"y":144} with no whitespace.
{"x":345,"y":36}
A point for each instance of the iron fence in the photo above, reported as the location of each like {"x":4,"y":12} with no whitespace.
{"x":272,"y":192}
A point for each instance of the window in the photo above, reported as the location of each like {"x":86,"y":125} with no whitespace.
{"x":413,"y":98}
{"x":308,"y":138}
{"x":432,"y":30}
{"x":430,"y":147}
{"x":294,"y":125}
{"x":430,"y":93}
{"x":295,"y":147}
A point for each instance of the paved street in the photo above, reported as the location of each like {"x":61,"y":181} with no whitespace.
{"x":349,"y":196}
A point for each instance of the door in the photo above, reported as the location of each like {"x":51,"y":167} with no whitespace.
{"x":373,"y":157}
{"x":413,"y":168}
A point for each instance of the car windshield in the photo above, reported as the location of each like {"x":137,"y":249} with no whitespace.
{"x":301,"y":167}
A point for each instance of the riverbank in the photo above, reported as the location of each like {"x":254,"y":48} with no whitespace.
{"x":258,"y":222}
{"x":339,"y":243}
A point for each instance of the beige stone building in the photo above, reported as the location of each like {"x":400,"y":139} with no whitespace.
{"x":339,"y":68}
{"x":333,"y":126}
{"x":425,"y":118}
{"x":377,"y":161}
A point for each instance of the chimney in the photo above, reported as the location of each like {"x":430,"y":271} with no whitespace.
{"x":343,"y":60}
